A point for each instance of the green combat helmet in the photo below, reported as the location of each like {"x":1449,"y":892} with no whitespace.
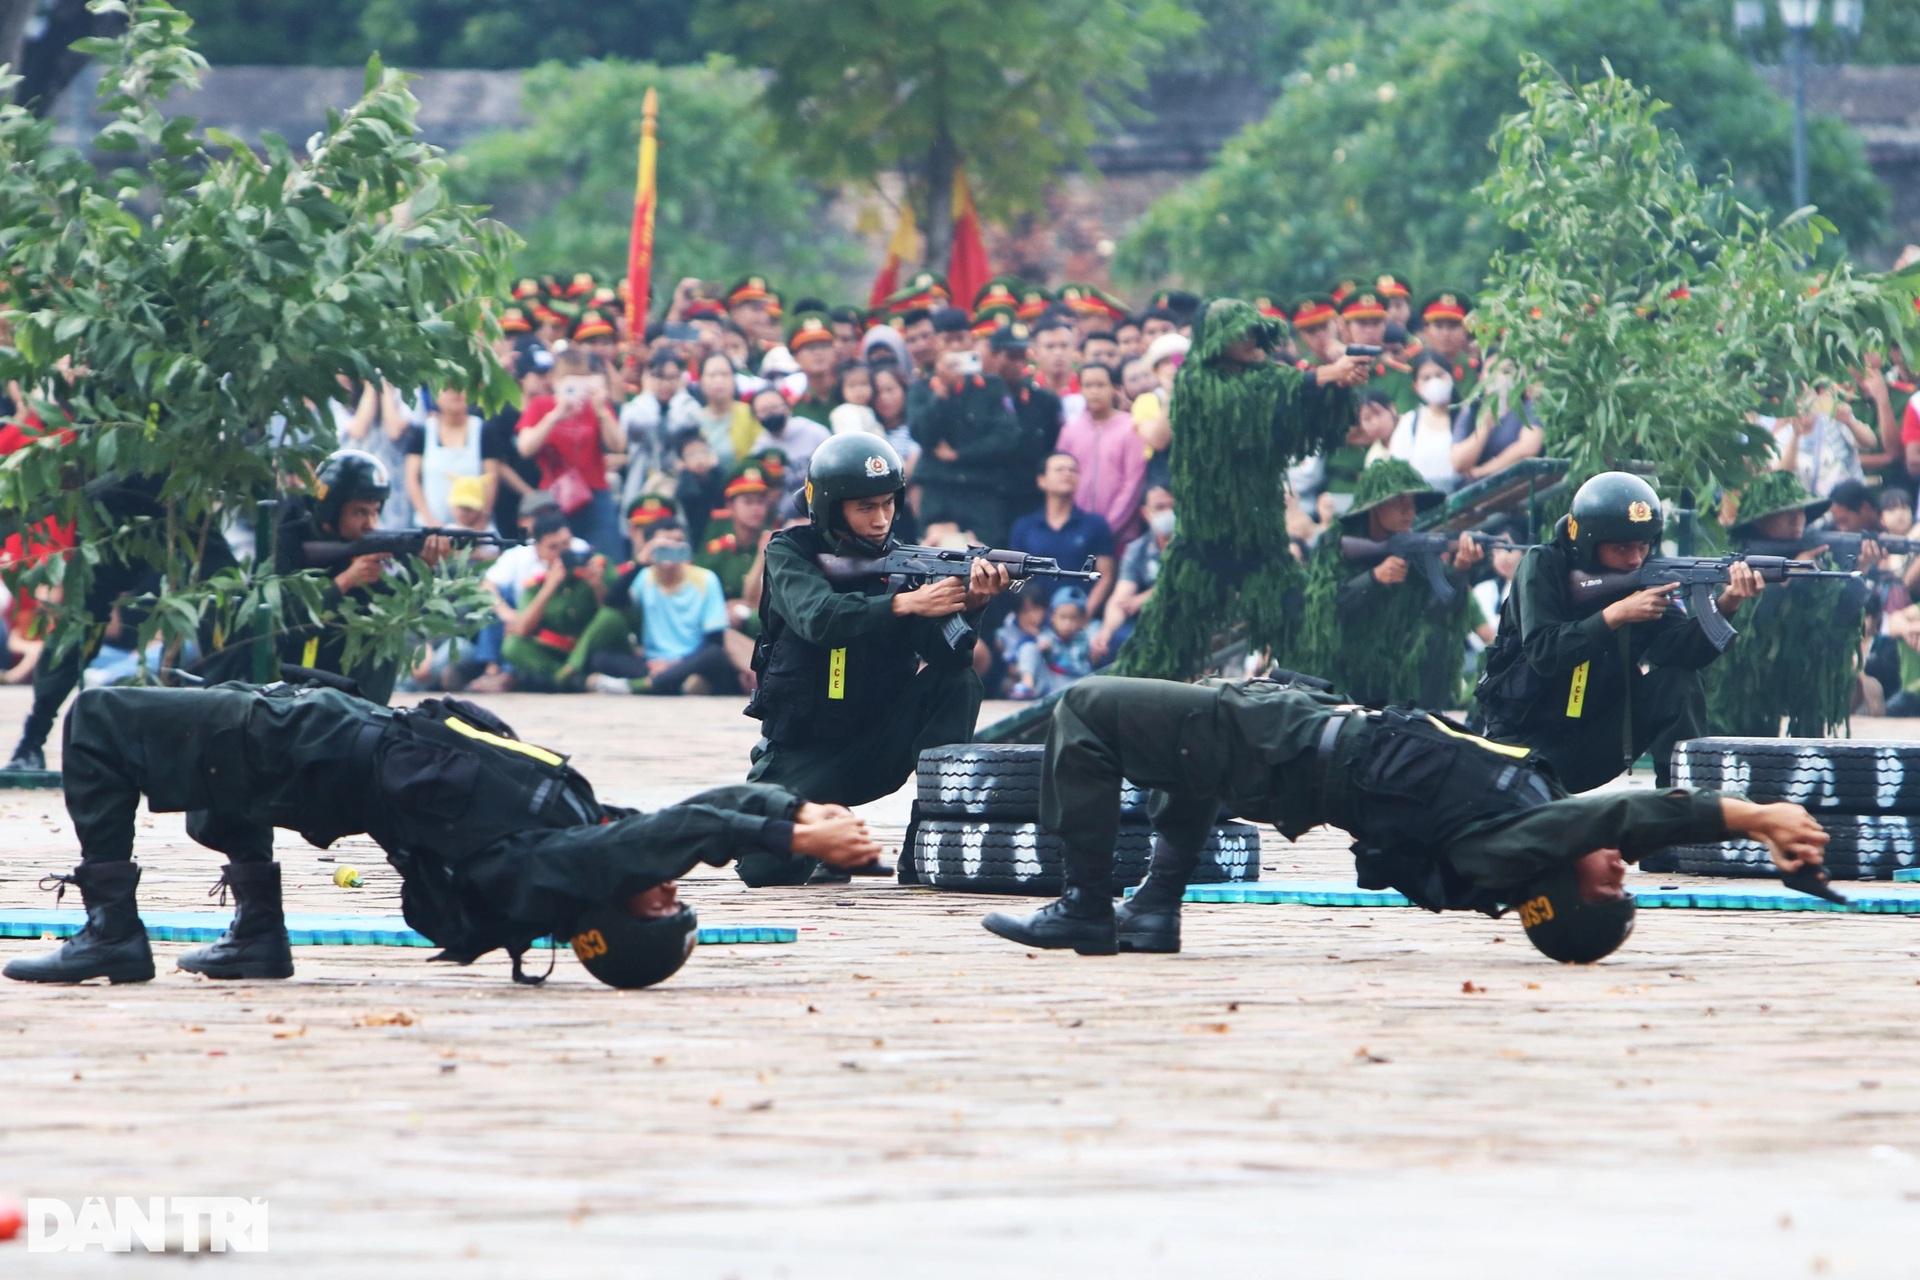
{"x":1564,"y":926}
{"x":1614,"y":506}
{"x":348,"y":476}
{"x":855,"y":465}
{"x":628,"y":951}
{"x":1773,"y":493}
{"x":1382,"y":482}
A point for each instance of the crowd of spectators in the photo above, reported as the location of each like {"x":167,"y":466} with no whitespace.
{"x":646,"y":471}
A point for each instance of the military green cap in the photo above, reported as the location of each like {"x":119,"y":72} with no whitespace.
{"x":1773,"y":493}
{"x":1382,"y":482}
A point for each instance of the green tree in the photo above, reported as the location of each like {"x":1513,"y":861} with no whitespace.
{"x":1016,"y":91}
{"x":730,"y":200}
{"x":1371,"y":156}
{"x":441,"y":33}
{"x":207,"y":292}
{"x":1654,"y":312}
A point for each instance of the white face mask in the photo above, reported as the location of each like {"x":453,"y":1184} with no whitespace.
{"x":1437,"y":390}
{"x":1161,"y":522}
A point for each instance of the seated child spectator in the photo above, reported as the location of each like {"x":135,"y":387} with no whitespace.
{"x":1059,"y":655}
{"x":855,"y":413}
{"x":682,"y":620}
{"x":1022,"y":628}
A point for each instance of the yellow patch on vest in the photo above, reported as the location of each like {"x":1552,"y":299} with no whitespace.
{"x":1577,"y":694}
{"x":837,"y":675}
{"x":311,"y":653}
{"x":527,"y":749}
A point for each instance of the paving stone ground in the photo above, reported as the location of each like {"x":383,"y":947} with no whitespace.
{"x":1303,"y":1093}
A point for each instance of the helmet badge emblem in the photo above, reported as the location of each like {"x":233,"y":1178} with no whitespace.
{"x":1639,"y":513}
{"x":876,"y":465}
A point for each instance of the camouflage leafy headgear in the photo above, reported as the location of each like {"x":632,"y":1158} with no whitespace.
{"x":1387,"y":479}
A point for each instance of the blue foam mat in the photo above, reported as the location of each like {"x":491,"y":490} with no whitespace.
{"x":1908,"y":874}
{"x":316,"y":929}
{"x":1332,"y":893}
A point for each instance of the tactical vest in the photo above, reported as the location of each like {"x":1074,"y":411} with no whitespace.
{"x":810,"y":693}
{"x":451,"y":779}
{"x":1411,"y":784}
{"x":1517,"y":699}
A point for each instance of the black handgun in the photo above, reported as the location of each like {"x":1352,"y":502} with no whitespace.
{"x":1365,"y":351}
{"x":1811,"y":878}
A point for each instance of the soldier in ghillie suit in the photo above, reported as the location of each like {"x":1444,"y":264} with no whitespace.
{"x":1241,"y":419}
{"x":1799,"y":646}
{"x":1374,"y":625}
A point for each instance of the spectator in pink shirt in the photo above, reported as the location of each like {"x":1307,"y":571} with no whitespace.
{"x":1113,"y":462}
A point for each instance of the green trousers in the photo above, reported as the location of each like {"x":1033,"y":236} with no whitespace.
{"x":938,"y":709}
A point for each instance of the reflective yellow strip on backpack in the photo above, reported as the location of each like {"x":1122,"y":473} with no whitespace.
{"x":311,"y":653}
{"x":1516,"y":753}
{"x":837,"y":675}
{"x":1577,"y":695}
{"x":541,"y":754}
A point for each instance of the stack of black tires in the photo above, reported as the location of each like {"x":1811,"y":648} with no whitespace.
{"x":979,"y":831}
{"x":1866,"y":795}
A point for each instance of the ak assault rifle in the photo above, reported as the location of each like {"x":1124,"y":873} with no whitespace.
{"x":906,"y":567}
{"x":410,"y":542}
{"x":1845,"y":547}
{"x":1697,"y":578}
{"x":1423,"y":551}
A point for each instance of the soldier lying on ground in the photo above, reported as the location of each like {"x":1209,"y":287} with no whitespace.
{"x":497,"y":841}
{"x":1452,"y":821}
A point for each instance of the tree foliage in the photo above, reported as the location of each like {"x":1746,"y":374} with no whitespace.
{"x":208,"y":291}
{"x":1655,"y":311}
{"x":730,"y":200}
{"x":1016,"y":91}
{"x":1372,"y":155}
{"x":441,"y":33}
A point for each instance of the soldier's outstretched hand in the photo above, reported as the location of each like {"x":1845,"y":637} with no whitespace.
{"x":833,"y":834}
{"x":1790,"y":833}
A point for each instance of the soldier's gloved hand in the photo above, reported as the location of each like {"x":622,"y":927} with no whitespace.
{"x":935,"y":600}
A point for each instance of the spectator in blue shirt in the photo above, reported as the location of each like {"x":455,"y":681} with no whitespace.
{"x":1065,"y":532}
{"x":682,"y":622}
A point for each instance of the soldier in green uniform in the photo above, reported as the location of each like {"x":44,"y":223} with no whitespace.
{"x":811,"y":343}
{"x":1443,"y":331}
{"x":1374,"y":627}
{"x":735,"y":547}
{"x":350,"y":489}
{"x":1364,"y":315}
{"x":1397,"y":295}
{"x":497,"y":841}
{"x":1799,"y":649}
{"x":1591,"y":687}
{"x":1454,"y":822}
{"x":844,"y":703}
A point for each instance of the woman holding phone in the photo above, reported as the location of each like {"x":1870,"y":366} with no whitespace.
{"x":570,"y":433}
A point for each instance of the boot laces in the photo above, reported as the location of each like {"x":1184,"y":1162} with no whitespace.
{"x":219,"y":890}
{"x":58,"y":885}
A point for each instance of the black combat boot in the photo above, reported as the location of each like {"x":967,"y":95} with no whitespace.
{"x":1150,"y":919}
{"x":1081,"y":919}
{"x":113,"y":943}
{"x":255,"y":944}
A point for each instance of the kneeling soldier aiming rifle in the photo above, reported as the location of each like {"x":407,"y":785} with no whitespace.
{"x":1588,"y":611}
{"x":1453,"y":821}
{"x":497,"y":841}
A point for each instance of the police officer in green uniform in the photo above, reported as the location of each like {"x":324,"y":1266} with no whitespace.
{"x":498,"y":841}
{"x":844,"y":704}
{"x":1567,"y":680}
{"x":1443,"y":331}
{"x":349,"y":490}
{"x":1454,"y":822}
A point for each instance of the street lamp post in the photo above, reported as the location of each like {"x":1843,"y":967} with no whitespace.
{"x":1800,"y":17}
